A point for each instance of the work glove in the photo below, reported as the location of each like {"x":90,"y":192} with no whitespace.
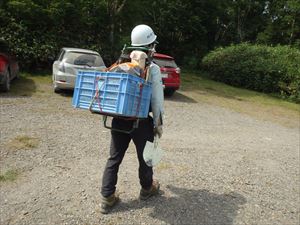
{"x":158,"y":131}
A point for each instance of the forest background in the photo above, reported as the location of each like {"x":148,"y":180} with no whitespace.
{"x":35,"y":30}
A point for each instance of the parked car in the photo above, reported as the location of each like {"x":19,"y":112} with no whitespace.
{"x":9,"y":68}
{"x":170,"y":72}
{"x":69,"y":61}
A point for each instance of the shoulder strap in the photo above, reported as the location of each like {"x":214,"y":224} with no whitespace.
{"x":146,"y":73}
{"x":112,"y":66}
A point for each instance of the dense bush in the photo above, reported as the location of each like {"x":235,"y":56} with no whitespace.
{"x":257,"y":67}
{"x":35,"y":30}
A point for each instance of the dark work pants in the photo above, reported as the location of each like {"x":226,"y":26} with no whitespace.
{"x":118,"y":147}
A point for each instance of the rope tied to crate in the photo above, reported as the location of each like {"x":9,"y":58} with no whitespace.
{"x":139,"y":99}
{"x":98,"y":94}
{"x":99,"y":85}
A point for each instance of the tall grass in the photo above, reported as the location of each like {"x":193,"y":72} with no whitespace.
{"x":200,"y":81}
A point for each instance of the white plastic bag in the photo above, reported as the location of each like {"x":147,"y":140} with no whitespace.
{"x":152,"y":152}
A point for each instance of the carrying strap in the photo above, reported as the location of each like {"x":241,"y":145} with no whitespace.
{"x":112,"y":66}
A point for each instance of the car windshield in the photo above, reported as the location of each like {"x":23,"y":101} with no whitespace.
{"x":165,"y":63}
{"x":79,"y":58}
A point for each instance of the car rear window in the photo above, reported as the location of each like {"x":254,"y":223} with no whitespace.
{"x":169,"y":63}
{"x":78,"y":58}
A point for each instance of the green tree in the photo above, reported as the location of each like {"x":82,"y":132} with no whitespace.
{"x":37,"y":29}
{"x":283,"y":23}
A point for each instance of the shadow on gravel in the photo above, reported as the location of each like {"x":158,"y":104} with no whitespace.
{"x":178,"y":97}
{"x":187,"y":206}
{"x":21,"y":87}
{"x":66,"y":93}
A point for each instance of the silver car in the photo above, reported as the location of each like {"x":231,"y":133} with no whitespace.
{"x":69,"y":61}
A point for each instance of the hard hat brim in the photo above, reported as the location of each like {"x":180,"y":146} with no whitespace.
{"x":145,"y":44}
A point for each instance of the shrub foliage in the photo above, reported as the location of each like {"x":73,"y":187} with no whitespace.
{"x":257,"y":67}
{"x":35,"y":30}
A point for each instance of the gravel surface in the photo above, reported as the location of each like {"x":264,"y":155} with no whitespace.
{"x":219,"y":167}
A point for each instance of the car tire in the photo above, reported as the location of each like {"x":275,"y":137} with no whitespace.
{"x":56,"y":89}
{"x":169,"y":92}
{"x":6,"y":84}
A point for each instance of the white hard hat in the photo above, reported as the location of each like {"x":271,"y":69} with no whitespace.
{"x":142,"y":35}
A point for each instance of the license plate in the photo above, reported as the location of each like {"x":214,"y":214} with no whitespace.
{"x":164,"y":75}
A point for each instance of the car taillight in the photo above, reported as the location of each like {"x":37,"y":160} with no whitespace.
{"x":177,"y":70}
{"x":61,"y":68}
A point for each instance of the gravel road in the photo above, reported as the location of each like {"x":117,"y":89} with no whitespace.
{"x":219,"y":167}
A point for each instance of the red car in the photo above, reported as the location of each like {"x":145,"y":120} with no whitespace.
{"x":170,"y":72}
{"x":9,"y":70}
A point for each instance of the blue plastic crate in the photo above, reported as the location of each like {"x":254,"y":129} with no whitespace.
{"x":109,"y":93}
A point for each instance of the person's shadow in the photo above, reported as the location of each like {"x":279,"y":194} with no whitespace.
{"x":186,"y":206}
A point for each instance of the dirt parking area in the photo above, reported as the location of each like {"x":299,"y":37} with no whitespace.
{"x":219,"y":167}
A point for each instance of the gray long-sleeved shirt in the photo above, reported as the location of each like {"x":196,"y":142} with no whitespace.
{"x":157,"y":98}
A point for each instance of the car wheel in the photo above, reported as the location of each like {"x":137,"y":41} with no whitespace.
{"x":169,"y":92}
{"x":56,"y":89}
{"x":6,"y":84}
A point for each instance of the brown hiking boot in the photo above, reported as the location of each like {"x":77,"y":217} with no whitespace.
{"x":107,"y":203}
{"x":154,"y":189}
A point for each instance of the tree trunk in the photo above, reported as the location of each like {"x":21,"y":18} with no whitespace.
{"x":239,"y":26}
{"x":292,"y":31}
{"x":114,"y":7}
